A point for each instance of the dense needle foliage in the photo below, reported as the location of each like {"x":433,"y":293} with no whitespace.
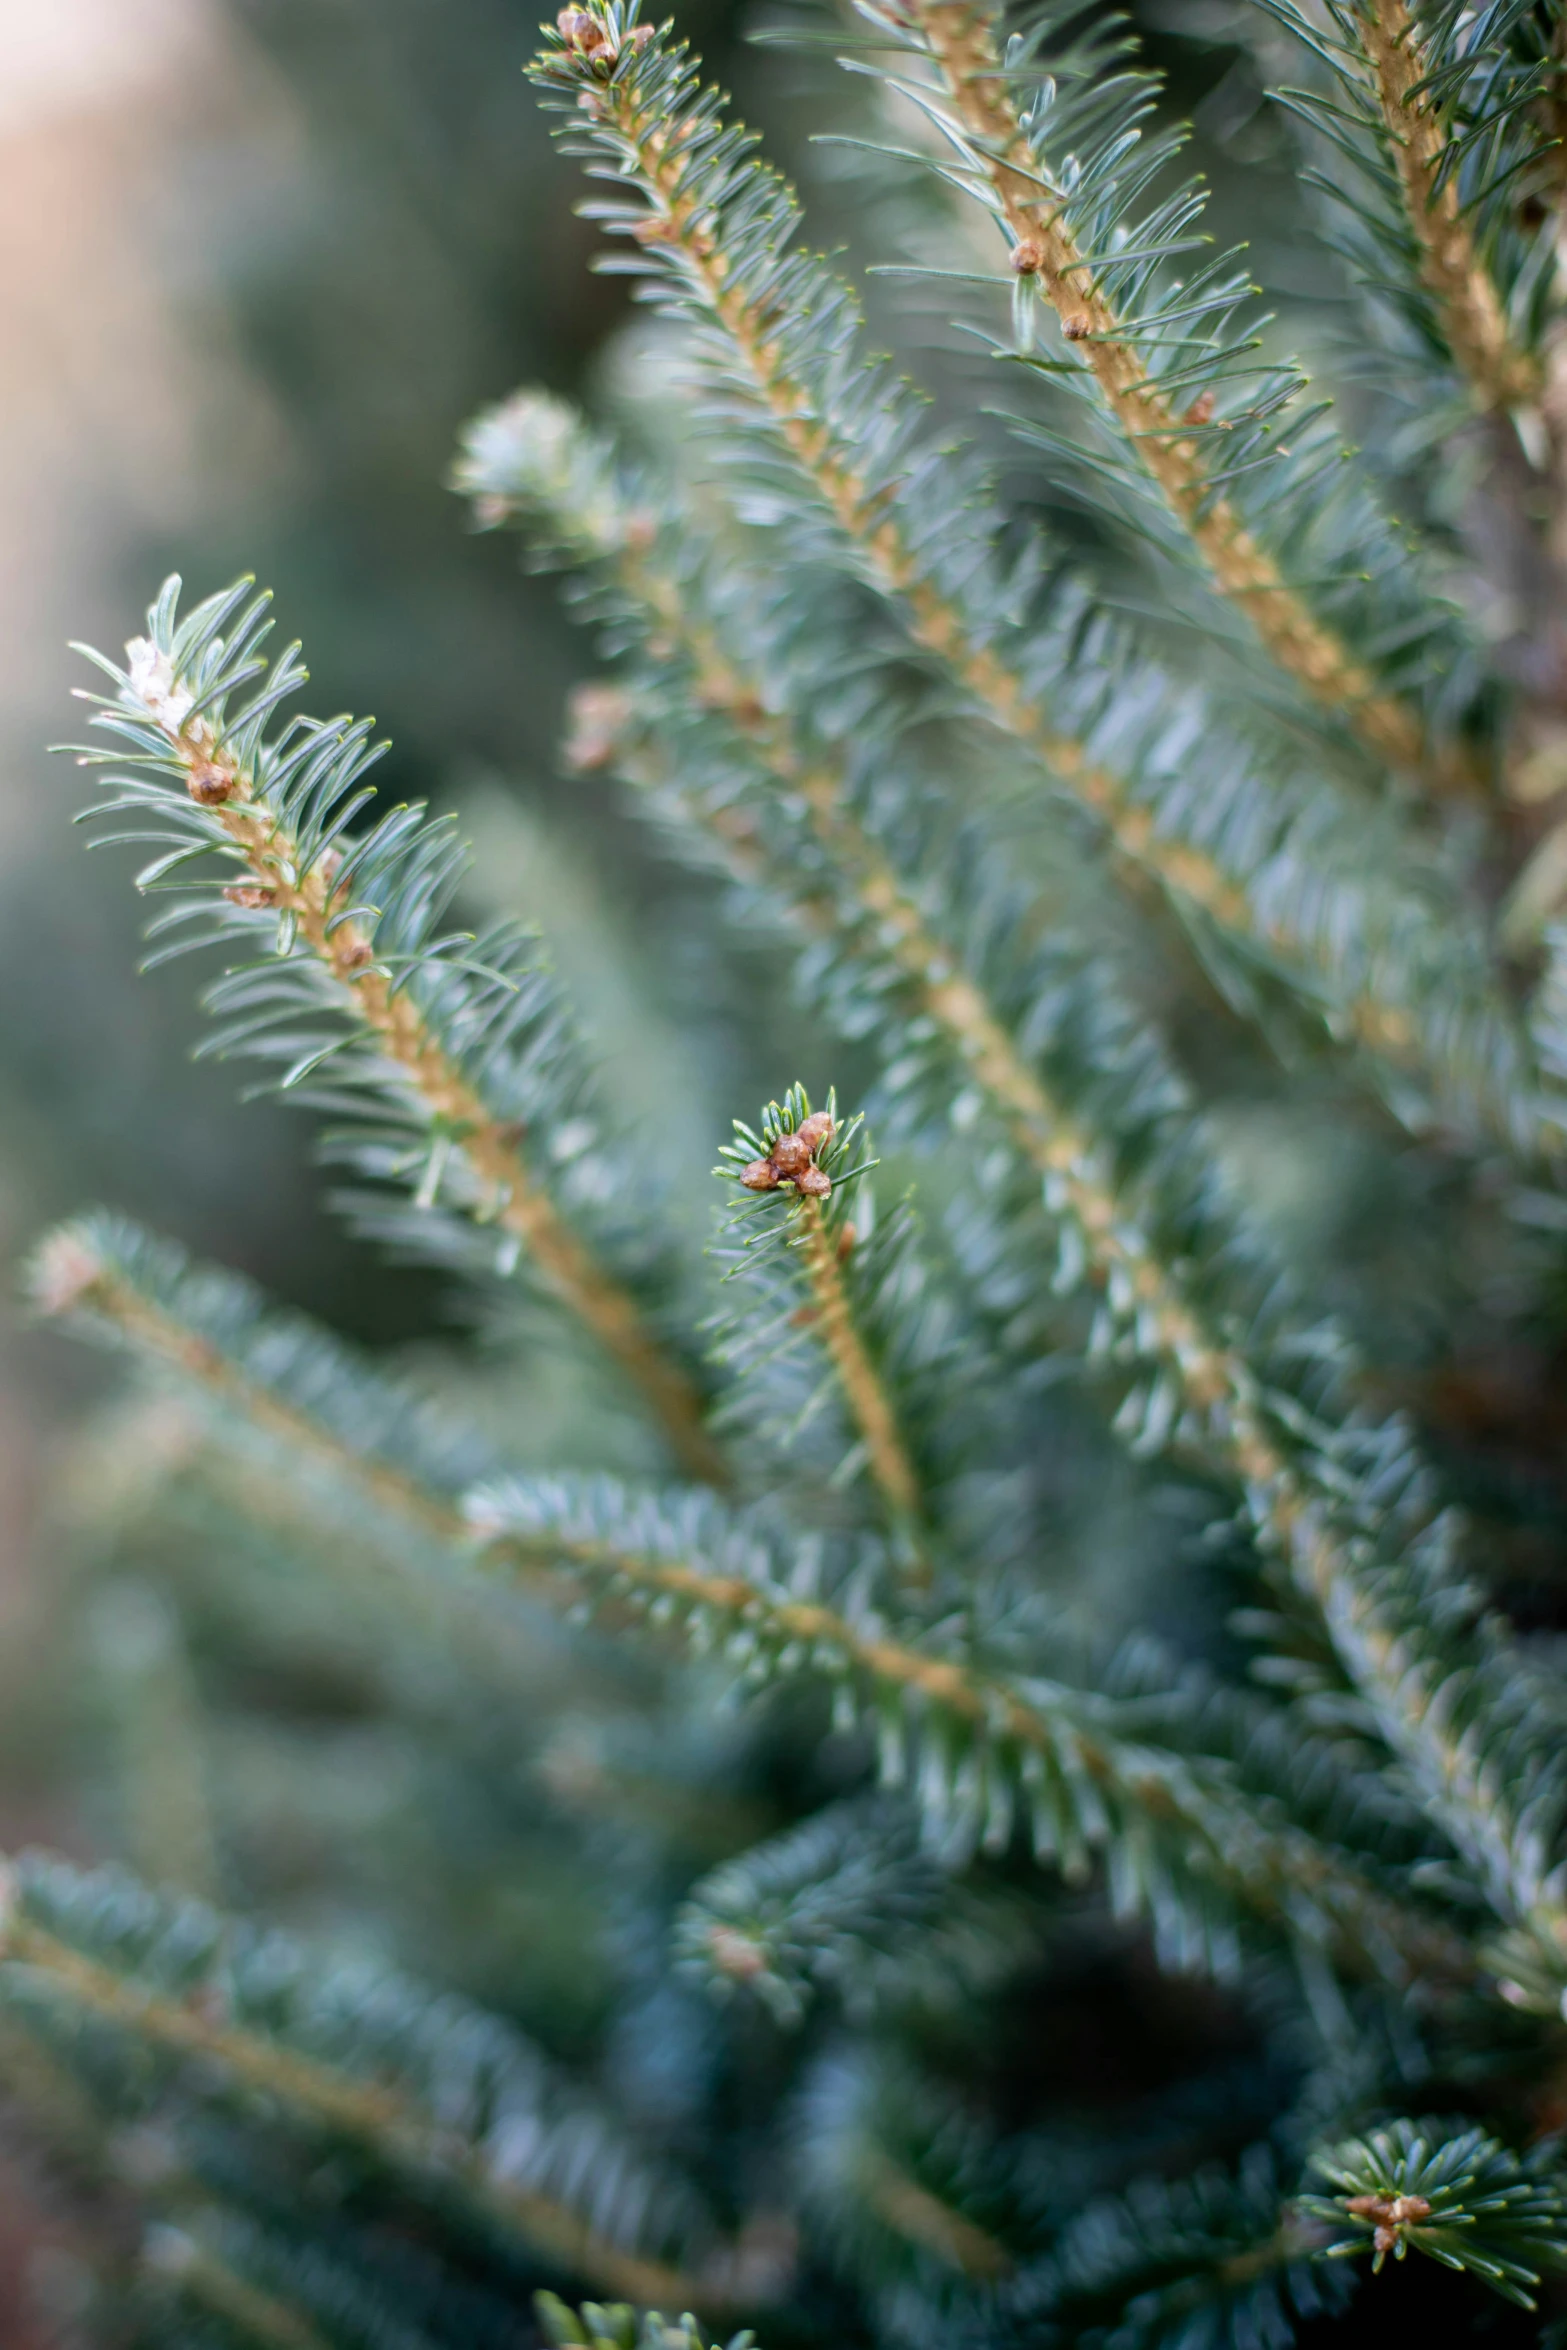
{"x":981,"y":1741}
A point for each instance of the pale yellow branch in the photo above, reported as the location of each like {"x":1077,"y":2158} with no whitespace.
{"x":1189,"y":874}
{"x":1213,"y":1377}
{"x":863,"y":1391}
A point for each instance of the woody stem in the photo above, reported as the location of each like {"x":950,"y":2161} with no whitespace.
{"x":863,"y":1391}
{"x":1500,"y":375}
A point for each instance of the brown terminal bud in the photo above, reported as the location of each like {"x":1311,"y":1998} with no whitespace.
{"x":791,"y":1153}
{"x":735,"y":1954}
{"x":1390,"y":2210}
{"x":1201,"y":409}
{"x":582,"y":32}
{"x":209,"y":786}
{"x":252,"y":895}
{"x":815,"y":1130}
{"x":597,"y":718}
{"x":1076,"y":328}
{"x":814,"y":1182}
{"x":760,"y":1175}
{"x":64,"y":1271}
{"x":1028,"y":258}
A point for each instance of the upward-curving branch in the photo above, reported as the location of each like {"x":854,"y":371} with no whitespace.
{"x":443,"y":1032}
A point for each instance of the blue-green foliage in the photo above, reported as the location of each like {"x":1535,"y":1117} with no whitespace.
{"x":489,"y":1003}
{"x":850,"y":1904}
{"x":1296,"y":874}
{"x":873,"y":1935}
{"x":1485,"y":73}
{"x":461,"y":2103}
{"x":284,"y":1358}
{"x":1105,"y":167}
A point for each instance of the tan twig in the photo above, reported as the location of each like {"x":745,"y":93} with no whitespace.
{"x":1500,"y":375}
{"x":521,"y":1207}
{"x":863,"y":1391}
{"x":960,"y":38}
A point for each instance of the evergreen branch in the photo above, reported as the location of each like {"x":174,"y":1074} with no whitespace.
{"x":276,"y":1372}
{"x":925,"y":751}
{"x":1307,"y":1470}
{"x":1262,"y":877}
{"x":1452,"y":2193}
{"x":1436,"y":111}
{"x":1219,"y":2256}
{"x":290,"y":2272}
{"x":531,"y":456}
{"x":1473,"y":321}
{"x":927,"y":2221}
{"x":895,"y":2178}
{"x":848,"y":1902}
{"x":796,"y":1160}
{"x":329,"y":1427}
{"x":810,"y":1907}
{"x":935,"y":1377}
{"x":714,"y":229}
{"x":531,"y":459}
{"x":867,"y":1398}
{"x":118,"y":1275}
{"x":442,"y":1035}
{"x":992,"y":1746}
{"x":1171,"y":442}
{"x":194,"y":2272}
{"x":432,"y":2089}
